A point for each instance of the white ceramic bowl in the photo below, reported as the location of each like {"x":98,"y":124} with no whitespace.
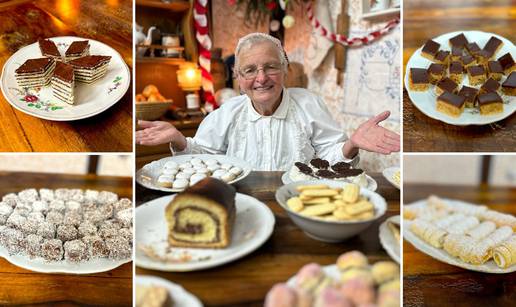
{"x":329,"y":231}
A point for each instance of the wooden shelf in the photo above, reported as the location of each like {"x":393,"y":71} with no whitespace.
{"x":387,"y":12}
{"x":175,"y":5}
{"x":162,"y":60}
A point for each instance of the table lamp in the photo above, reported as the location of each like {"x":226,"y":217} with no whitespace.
{"x":189,"y":79}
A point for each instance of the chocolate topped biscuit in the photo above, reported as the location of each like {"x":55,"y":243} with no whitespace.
{"x":459,"y":41}
{"x":491,"y":85}
{"x":487,"y":98}
{"x":455,"y":100}
{"x":320,"y":163}
{"x":431,"y":47}
{"x":34,"y":65}
{"x":484,"y":54}
{"x":419,"y":75}
{"x":351,"y":172}
{"x":324,"y":173}
{"x":467,"y":59}
{"x":473,"y":48}
{"x":456,"y":51}
{"x":510,"y":82}
{"x":303,"y":168}
{"x":456,"y":68}
{"x":476,"y":70}
{"x":436,"y":69}
{"x":340,"y":166}
{"x":506,"y":61}
{"x":493,"y":44}
{"x":494,"y":67}
{"x":48,"y":48}
{"x":447,"y":85}
{"x":442,"y":56}
{"x":470,"y":93}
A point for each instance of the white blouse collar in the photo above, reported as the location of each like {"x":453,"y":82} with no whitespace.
{"x":280,"y":113}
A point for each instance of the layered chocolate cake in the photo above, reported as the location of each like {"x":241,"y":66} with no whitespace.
{"x":49,"y":49}
{"x":202,"y":216}
{"x":77,"y":50}
{"x":35,"y":72}
{"x":90,"y":68}
{"x":63,"y":82}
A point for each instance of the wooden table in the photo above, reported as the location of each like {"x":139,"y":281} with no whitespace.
{"x":23,"y":23}
{"x":246,"y":281}
{"x":429,"y":282}
{"x":20,"y":286}
{"x":423,"y":20}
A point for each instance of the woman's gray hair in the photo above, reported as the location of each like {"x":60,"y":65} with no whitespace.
{"x":254,"y":38}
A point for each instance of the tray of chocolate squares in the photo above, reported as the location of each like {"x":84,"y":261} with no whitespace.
{"x":464,"y":78}
{"x":64,"y":78}
{"x":322,"y":169}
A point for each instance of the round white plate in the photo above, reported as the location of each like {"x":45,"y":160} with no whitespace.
{"x":149,"y":173}
{"x":254,"y":224}
{"x":90,"y":99}
{"x":179,"y":295}
{"x":440,"y":254}
{"x":42,"y":266}
{"x":388,"y":173}
{"x":426,"y":101}
{"x":371,"y":183}
{"x":387,"y":239}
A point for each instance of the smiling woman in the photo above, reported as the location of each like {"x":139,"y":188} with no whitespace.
{"x":271,"y":126}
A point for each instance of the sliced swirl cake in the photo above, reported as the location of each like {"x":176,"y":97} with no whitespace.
{"x":35,"y":72}
{"x":90,"y":68}
{"x":63,"y":82}
{"x":202,"y":216}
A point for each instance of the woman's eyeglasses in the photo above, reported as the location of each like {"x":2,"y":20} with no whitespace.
{"x":269,"y":69}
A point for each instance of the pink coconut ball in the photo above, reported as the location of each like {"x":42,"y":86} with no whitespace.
{"x":358,"y":291}
{"x":281,"y":295}
{"x":331,"y":297}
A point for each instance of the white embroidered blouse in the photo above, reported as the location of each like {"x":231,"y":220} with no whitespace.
{"x":300,"y":129}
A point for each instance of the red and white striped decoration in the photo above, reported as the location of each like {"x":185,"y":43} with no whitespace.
{"x":341,"y":39}
{"x":204,"y":43}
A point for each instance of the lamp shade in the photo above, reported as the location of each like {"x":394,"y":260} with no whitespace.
{"x":189,"y":77}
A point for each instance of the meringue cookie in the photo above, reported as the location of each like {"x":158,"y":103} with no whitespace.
{"x":169,"y":171}
{"x":211,"y":162}
{"x":226,"y":166}
{"x":203,"y":171}
{"x":180,"y":183}
{"x":165,"y":181}
{"x":219,"y":173}
{"x":189,"y":171}
{"x":196,"y":178}
{"x":236,"y":170}
{"x":196,"y":161}
{"x":227,"y":177}
{"x":212,"y":168}
{"x":171,"y":164}
{"x":185,"y":165}
{"x":182,"y":175}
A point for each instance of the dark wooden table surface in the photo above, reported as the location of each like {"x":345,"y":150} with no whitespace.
{"x":245,"y":282}
{"x":423,"y":20}
{"x":23,"y":23}
{"x":20,"y":286}
{"x":429,"y":282}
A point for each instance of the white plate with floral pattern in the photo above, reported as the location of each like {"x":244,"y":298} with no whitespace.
{"x":254,"y":224}
{"x":90,"y":99}
{"x":179,"y":295}
{"x":426,"y":101}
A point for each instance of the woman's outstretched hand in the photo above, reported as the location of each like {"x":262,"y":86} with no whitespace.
{"x":372,"y":137}
{"x":158,"y":132}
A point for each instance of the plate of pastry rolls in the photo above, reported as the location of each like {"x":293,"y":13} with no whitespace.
{"x":462,"y":234}
{"x":390,"y":237}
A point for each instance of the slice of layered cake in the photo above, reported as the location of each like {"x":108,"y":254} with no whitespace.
{"x":49,"y":49}
{"x":63,"y":82}
{"x":35,"y":72}
{"x":90,"y":68}
{"x":77,"y":49}
{"x":202,"y":216}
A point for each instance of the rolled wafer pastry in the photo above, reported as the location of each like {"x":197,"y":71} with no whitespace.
{"x":500,"y":219}
{"x":483,"y":250}
{"x":456,"y":244}
{"x":428,"y":232}
{"x":449,"y":220}
{"x":467,"y":209}
{"x":504,"y":254}
{"x":480,"y":231}
{"x":426,"y":213}
{"x":463,"y":226}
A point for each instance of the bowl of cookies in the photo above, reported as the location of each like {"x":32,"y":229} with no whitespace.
{"x":330,"y":211}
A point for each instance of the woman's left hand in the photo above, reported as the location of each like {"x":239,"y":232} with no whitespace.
{"x":372,"y":137}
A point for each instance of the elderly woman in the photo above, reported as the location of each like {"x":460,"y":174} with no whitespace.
{"x":269,"y":126}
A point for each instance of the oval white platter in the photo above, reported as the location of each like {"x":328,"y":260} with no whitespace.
{"x":440,"y":254}
{"x":149,"y":173}
{"x":254,"y":224}
{"x":426,"y":101}
{"x":389,"y":173}
{"x":371,"y":183}
{"x":90,"y":99}
{"x":387,"y":239}
{"x":179,"y":295}
{"x":42,"y":266}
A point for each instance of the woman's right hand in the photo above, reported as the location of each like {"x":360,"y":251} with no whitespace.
{"x":158,"y":132}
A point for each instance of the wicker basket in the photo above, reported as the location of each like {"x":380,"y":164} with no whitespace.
{"x":151,"y":110}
